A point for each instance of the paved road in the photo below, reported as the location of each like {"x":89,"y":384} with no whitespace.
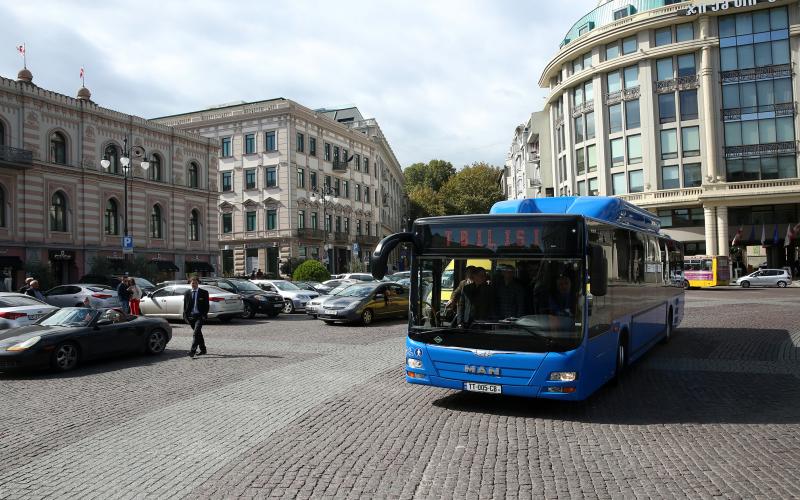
{"x":291,"y":407}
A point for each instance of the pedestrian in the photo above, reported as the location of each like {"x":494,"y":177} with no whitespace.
{"x":136,"y":297}
{"x":34,"y":292}
{"x":253,"y":274}
{"x":195,"y":312}
{"x":259,"y":274}
{"x":26,"y":286}
{"x":7,"y":281}
{"x":124,"y":295}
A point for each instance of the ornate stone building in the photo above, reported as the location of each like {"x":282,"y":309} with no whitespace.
{"x":527,"y":172}
{"x":60,"y":208}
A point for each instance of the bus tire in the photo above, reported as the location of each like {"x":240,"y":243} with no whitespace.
{"x":686,"y":285}
{"x":622,"y":357}
{"x":745,"y":284}
{"x":668,"y":333}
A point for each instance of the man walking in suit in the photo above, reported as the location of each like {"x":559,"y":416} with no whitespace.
{"x":195,"y":311}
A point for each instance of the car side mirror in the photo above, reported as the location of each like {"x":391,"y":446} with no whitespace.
{"x":103,"y":322}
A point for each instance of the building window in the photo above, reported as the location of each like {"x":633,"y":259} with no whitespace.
{"x":690,"y":141}
{"x":358,"y":227}
{"x":613,"y":82}
{"x":631,"y":77}
{"x":684,"y":32}
{"x":664,"y":69}
{"x":663,"y":36}
{"x":686,"y":66}
{"x":591,"y":158}
{"x":612,"y":50}
{"x":156,"y":224}
{"x":314,"y":221}
{"x":336,"y":154}
{"x":670,"y":177}
{"x":632,"y":118}
{"x":154,"y":173}
{"x":301,"y":178}
{"x":590,"y":134}
{"x":250,"y":178}
{"x":312,"y":146}
{"x":226,"y":147}
{"x":357,"y":162}
{"x":327,"y":152}
{"x":272,"y":177}
{"x":227,"y":223}
{"x":666,"y":108}
{"x":366,"y":194}
{"x":111,"y":223}
{"x":194,"y":175}
{"x":618,"y":183}
{"x":272,"y":219}
{"x":669,"y":144}
{"x":358,"y":192}
{"x":327,"y":181}
{"x":346,"y":189}
{"x":366,"y":166}
{"x":250,"y":221}
{"x":691,"y":175}
{"x":313,"y":179}
{"x":337,"y":187}
{"x":194,"y":226}
{"x":579,"y":134}
{"x":328,"y":223}
{"x":580,"y":162}
{"x":249,"y":144}
{"x":615,"y":118}
{"x":681,"y":217}
{"x":617,"y":152}
{"x":227,"y":181}
{"x":2,"y":193}
{"x":301,"y":219}
{"x":581,"y":188}
{"x":58,"y":212}
{"x":635,"y":181}
{"x":634,"y":149}
{"x":629,"y":45}
{"x":58,"y":148}
{"x":2,"y":134}
{"x":347,"y":225}
{"x":688,"y":100}
{"x":111,"y":154}
{"x":593,"y":189}
{"x":301,"y":143}
{"x":270,"y":141}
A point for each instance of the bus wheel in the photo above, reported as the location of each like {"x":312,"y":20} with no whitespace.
{"x":622,"y":359}
{"x":685,"y":285}
{"x":668,"y":333}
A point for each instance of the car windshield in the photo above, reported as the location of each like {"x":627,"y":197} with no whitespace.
{"x":513,"y":304}
{"x":285,"y":285}
{"x":70,"y":316}
{"x":357,"y":291}
{"x":18,"y":301}
{"x":143,"y":282}
{"x":339,"y":289}
{"x":247,"y":286}
{"x":332,"y":283}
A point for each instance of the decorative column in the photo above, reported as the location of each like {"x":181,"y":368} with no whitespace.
{"x":711,"y":230}
{"x":723,"y":243}
{"x":709,"y":118}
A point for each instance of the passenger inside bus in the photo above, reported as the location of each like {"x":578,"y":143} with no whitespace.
{"x":476,"y":300}
{"x":508,"y":293}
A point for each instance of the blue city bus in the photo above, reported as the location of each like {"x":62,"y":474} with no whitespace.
{"x":563,"y":294}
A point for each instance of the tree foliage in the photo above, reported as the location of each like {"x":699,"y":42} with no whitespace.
{"x":425,"y":202}
{"x":311,"y":270}
{"x":433,"y":174}
{"x":288,"y":266}
{"x":473,"y":190}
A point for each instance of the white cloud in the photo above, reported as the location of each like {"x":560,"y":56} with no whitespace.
{"x":445,"y":79}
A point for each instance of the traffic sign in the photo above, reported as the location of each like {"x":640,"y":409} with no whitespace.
{"x":355,"y":248}
{"x":127,"y":244}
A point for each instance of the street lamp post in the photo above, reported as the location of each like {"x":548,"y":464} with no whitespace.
{"x":127,"y":170}
{"x":326,"y":195}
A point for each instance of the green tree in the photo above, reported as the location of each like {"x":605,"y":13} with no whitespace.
{"x":425,"y":202}
{"x":311,"y":270}
{"x":473,"y":190}
{"x":433,"y":174}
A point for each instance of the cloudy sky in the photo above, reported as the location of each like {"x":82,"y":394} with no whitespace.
{"x":445,"y":79}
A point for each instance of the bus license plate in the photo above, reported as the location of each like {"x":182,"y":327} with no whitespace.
{"x":490,"y":388}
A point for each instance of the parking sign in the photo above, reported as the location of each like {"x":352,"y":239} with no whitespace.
{"x":127,"y":244}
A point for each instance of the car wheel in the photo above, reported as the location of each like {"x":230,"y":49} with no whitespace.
{"x":65,"y":357}
{"x":156,"y":342}
{"x":367,"y":317}
{"x":745,"y":284}
{"x":289,"y":307}
{"x":249,"y":312}
{"x":781,"y":284}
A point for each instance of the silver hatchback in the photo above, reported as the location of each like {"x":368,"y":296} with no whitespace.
{"x":18,"y":310}
{"x":766,"y":277}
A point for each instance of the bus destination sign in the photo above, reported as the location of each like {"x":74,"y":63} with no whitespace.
{"x":537,"y":238}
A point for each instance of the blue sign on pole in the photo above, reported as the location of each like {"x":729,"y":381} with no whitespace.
{"x":127,"y":244}
{"x":355,"y":248}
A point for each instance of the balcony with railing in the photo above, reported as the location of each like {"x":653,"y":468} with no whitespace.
{"x":15,"y":157}
{"x":664,"y":196}
{"x":623,"y":95}
{"x":756,"y":150}
{"x":363,"y":239}
{"x":752,"y":74}
{"x":584,"y":107}
{"x":311,"y":234}
{"x":339,"y":166}
{"x":681,"y":83}
{"x":341,"y":237}
{"x":780,"y":109}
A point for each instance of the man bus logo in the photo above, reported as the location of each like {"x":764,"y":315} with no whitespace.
{"x":480,"y":370}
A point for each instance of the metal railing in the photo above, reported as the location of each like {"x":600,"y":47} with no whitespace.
{"x":628,"y":94}
{"x":770,"y":149}
{"x":22,"y":157}
{"x":762,"y":73}
{"x":312,"y":234}
{"x":583,"y":107}
{"x":781,"y":109}
{"x":680,"y":83}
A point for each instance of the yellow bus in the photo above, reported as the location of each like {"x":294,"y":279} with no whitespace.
{"x":702,"y":271}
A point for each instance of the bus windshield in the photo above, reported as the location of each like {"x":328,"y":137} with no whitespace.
{"x":500,"y":303}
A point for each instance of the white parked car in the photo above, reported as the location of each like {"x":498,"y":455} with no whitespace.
{"x":766,"y":277}
{"x":100,"y":296}
{"x":167,"y":302}
{"x":294,"y":297}
{"x":17,"y":309}
{"x":358,"y":277}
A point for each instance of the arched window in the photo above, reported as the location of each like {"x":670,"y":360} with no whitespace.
{"x":2,"y":134}
{"x":194,"y":226}
{"x":58,"y":148}
{"x":155,"y":168}
{"x":58,"y":212}
{"x":2,"y":196}
{"x":194,"y":175}
{"x":112,"y":217}
{"x":156,"y":223}
{"x":111,"y":154}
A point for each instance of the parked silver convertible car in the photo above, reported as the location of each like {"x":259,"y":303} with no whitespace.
{"x":167,"y":302}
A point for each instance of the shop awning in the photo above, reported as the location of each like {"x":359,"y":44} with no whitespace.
{"x":165,"y":266}
{"x":198,"y":267}
{"x":10,"y":261}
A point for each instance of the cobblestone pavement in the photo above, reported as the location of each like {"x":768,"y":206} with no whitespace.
{"x":290,"y":407}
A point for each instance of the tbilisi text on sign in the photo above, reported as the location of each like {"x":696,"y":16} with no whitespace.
{"x":702,"y":7}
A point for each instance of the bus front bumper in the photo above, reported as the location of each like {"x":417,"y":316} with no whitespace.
{"x":528,"y":391}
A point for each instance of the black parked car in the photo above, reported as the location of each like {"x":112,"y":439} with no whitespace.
{"x":70,"y":335}
{"x":256,"y":300}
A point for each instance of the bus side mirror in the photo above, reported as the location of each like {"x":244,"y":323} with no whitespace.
{"x":598,"y":271}
{"x":380,"y":257}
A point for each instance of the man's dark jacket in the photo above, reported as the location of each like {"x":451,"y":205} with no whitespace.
{"x":202,"y":302}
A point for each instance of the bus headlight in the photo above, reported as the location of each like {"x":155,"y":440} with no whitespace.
{"x":414,"y":363}
{"x":563,"y":376}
